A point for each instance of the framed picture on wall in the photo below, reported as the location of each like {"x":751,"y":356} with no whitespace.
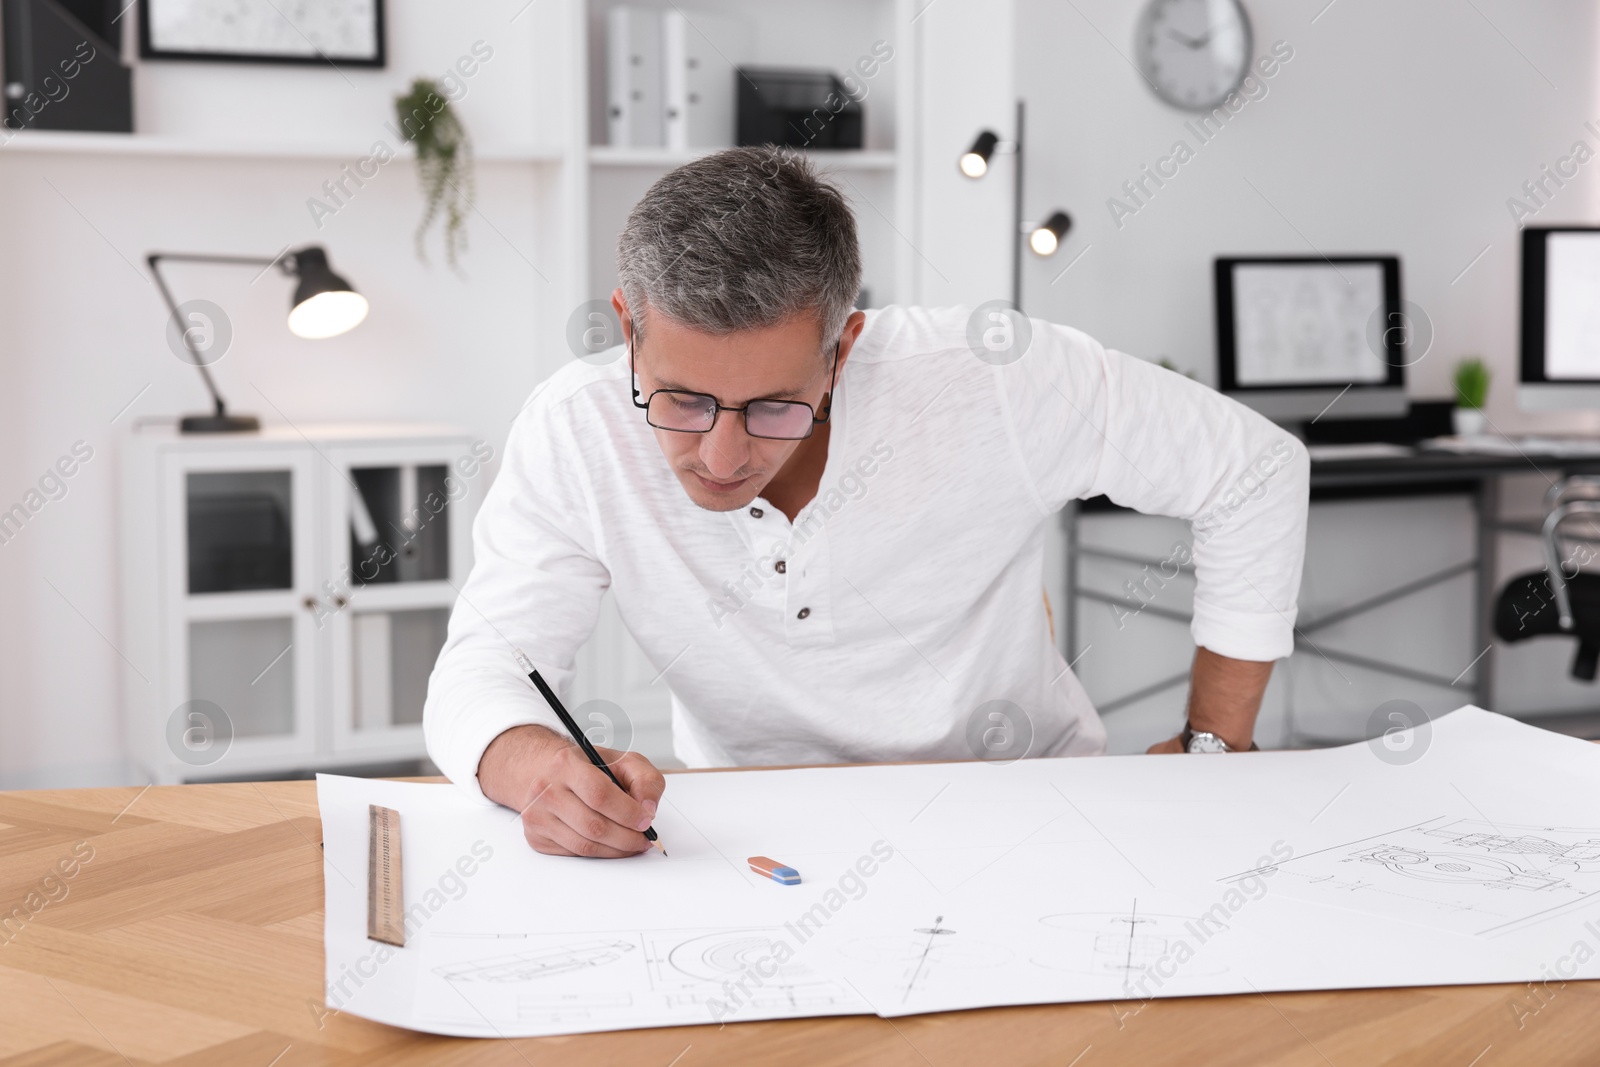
{"x":337,"y":32}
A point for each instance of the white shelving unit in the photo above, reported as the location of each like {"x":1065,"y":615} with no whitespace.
{"x":605,"y":181}
{"x":542,"y":149}
{"x":289,"y":593}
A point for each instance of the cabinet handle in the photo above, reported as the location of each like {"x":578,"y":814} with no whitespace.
{"x":309,"y":603}
{"x":339,"y":601}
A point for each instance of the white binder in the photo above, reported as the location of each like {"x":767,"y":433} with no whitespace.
{"x":634,"y":110}
{"x":699,"y":53}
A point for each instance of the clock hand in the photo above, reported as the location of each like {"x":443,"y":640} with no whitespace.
{"x":1211,"y":31}
{"x":1187,"y":42}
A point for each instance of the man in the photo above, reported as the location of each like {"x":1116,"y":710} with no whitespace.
{"x":824,"y":526}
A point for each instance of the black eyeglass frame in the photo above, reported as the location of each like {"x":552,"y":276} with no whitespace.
{"x":717,"y":407}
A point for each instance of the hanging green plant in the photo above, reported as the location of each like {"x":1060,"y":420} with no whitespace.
{"x":444,"y":163}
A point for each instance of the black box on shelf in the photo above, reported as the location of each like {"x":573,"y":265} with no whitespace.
{"x":61,"y":70}
{"x":797,"y":109}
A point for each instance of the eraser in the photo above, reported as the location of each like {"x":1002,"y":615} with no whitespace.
{"x":771,"y":868}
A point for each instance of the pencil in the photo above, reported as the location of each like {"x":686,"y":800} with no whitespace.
{"x":577,"y":734}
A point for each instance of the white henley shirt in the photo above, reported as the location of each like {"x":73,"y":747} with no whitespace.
{"x":907,"y":595}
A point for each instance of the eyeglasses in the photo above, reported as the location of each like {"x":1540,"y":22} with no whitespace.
{"x":777,"y":420}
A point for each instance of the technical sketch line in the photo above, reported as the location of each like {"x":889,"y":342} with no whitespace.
{"x":1333,"y":848}
{"x":933,"y":933}
{"x":1133,"y":924}
{"x":1535,"y":916}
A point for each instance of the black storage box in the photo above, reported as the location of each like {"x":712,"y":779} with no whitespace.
{"x":796,"y":108}
{"x":61,"y":70}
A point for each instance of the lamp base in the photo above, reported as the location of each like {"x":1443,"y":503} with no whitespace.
{"x":219,"y":424}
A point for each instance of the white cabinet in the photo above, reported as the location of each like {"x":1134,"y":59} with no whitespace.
{"x":286,"y":593}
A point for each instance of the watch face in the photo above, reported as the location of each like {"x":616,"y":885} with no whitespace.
{"x":1194,"y":52}
{"x":1200,"y":741}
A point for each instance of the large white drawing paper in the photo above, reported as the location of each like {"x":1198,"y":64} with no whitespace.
{"x":1466,"y":851}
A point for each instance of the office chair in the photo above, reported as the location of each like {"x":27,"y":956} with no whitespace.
{"x":1560,"y":600}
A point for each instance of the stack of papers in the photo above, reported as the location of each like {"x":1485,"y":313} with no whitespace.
{"x":1462,"y":851}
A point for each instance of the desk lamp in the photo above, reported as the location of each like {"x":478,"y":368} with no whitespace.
{"x":324,"y":305}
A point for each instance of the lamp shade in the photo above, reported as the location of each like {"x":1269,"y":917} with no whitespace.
{"x":1046,"y":237}
{"x":324,"y":304}
{"x":974,"y":161}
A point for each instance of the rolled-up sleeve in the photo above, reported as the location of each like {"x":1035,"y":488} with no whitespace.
{"x":535,"y":585}
{"x":1090,"y":421}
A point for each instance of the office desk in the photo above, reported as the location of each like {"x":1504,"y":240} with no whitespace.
{"x":1366,"y":478}
{"x":194,"y":934}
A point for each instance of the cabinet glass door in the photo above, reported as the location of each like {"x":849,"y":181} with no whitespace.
{"x":243,"y":667}
{"x":392,"y":654}
{"x":403,"y":514}
{"x":239,"y":530}
{"x":400,"y":524}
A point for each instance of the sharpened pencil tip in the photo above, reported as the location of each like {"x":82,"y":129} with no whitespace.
{"x":662,"y":847}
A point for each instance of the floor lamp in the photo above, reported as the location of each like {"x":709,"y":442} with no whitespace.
{"x":1043,"y":237}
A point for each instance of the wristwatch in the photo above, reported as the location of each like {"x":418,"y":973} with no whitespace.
{"x":1202,"y":741}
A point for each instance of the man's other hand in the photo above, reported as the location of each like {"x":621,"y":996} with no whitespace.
{"x":568,"y":806}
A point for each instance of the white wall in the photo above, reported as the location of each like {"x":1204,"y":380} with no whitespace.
{"x":82,"y":329}
{"x":270,"y":103}
{"x":1400,"y":127}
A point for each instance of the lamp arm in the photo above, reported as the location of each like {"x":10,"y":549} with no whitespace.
{"x":155,"y":258}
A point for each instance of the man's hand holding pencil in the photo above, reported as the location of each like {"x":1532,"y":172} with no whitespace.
{"x":569,"y":806}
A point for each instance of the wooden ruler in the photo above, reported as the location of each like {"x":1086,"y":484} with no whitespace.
{"x":386,"y":903}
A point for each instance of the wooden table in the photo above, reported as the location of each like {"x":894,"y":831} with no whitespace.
{"x":193,"y":934}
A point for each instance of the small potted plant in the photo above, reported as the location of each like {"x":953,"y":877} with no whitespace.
{"x":1472,"y":392}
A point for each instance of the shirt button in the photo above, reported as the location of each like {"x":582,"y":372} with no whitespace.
{"x":780,"y":566}
{"x":803,"y":613}
{"x":756,"y":513}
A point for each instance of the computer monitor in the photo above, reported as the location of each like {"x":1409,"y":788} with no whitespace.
{"x":1560,"y":318}
{"x":1297,"y":333}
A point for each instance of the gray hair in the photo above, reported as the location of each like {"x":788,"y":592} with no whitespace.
{"x":741,"y":239}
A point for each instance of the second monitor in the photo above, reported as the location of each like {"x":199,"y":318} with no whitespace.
{"x":1306,"y":337}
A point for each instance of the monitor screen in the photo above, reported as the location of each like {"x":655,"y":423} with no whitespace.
{"x":1560,"y":360}
{"x":1309,"y":337}
{"x":1572,"y":306}
{"x":1305,"y":323}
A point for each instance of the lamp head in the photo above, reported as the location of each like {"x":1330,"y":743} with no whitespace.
{"x":975,"y":160}
{"x":1046,"y":238}
{"x":324,"y":305}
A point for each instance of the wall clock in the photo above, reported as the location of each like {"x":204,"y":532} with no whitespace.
{"x":1194,"y":52}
